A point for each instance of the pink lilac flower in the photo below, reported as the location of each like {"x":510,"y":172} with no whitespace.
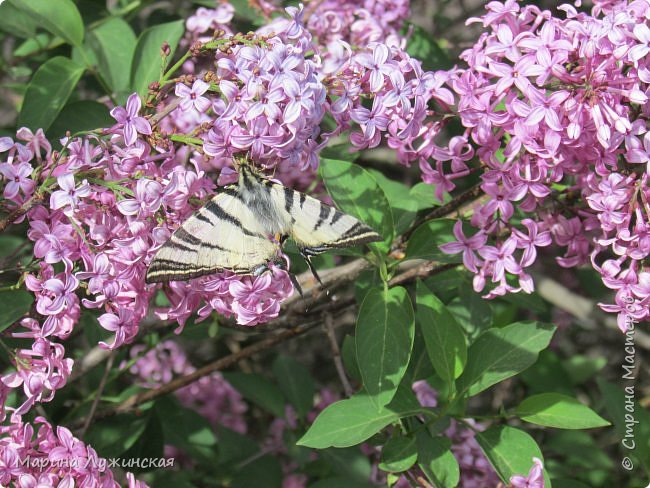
{"x":63,"y":460}
{"x":129,"y":121}
{"x":67,"y":198}
{"x":520,"y":95}
{"x":535,"y":478}
{"x":467,"y":246}
{"x":193,"y":97}
{"x":18,"y":179}
{"x":212,"y":396}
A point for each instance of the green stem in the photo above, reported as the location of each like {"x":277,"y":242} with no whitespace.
{"x":193,"y":141}
{"x":112,"y":185}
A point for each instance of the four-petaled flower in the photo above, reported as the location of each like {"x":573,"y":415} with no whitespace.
{"x":193,"y":97}
{"x":131,"y":122}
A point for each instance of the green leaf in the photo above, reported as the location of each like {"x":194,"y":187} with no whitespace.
{"x":404,"y":209}
{"x":113,"y":43}
{"x":578,"y":452}
{"x":398,"y":454}
{"x":509,"y":450}
{"x":471,"y":310}
{"x":112,"y":437}
{"x":631,"y":420}
{"x":150,"y":444}
{"x":60,"y":17}
{"x":422,"y":45}
{"x":339,"y":481}
{"x":234,"y":447}
{"x":243,"y":10}
{"x":33,"y":45}
{"x":184,"y":428}
{"x":13,"y":305}
{"x":582,"y":368}
{"x":420,"y":366}
{"x":349,"y":356}
{"x":16,"y":22}
{"x":384,"y":339}
{"x":147,"y":63}
{"x":443,"y":337}
{"x":259,"y":390}
{"x":82,"y":115}
{"x":349,"y":422}
{"x":425,"y":197}
{"x":265,"y":468}
{"x":437,"y":461}
{"x":350,"y":462}
{"x":561,"y":411}
{"x":356,"y":192}
{"x":547,"y":375}
{"x":424,"y":242}
{"x":9,"y":244}
{"x":48,"y":91}
{"x":295,"y":382}
{"x":566,"y":483}
{"x":502,"y":353}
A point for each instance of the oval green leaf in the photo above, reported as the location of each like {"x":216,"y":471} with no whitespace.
{"x":16,"y":22}
{"x":384,"y":340}
{"x":13,"y":305}
{"x":295,"y":382}
{"x":80,"y":116}
{"x":443,"y":337}
{"x":437,"y":461}
{"x":259,"y":390}
{"x":356,"y":192}
{"x":509,"y":450}
{"x":147,"y":63}
{"x":502,"y":353}
{"x":398,"y":454}
{"x":424,"y":242}
{"x":561,"y":411}
{"x":60,"y":17}
{"x":48,"y":91}
{"x":113,"y":43}
{"x":349,"y":422}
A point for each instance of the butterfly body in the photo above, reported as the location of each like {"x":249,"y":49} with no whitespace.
{"x":236,"y":231}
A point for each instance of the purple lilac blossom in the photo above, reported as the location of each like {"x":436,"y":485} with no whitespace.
{"x":37,"y":455}
{"x":565,"y":100}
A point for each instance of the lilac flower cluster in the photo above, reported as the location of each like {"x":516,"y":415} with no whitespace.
{"x":211,"y":396}
{"x":34,"y":456}
{"x":557,"y":114}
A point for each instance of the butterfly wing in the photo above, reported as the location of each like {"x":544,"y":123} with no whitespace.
{"x":317,"y":227}
{"x":222,"y":235}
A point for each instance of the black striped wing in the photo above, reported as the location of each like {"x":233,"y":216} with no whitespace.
{"x":316,"y":226}
{"x":223,"y":235}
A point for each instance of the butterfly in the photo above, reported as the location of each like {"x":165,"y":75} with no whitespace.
{"x":242,"y":229}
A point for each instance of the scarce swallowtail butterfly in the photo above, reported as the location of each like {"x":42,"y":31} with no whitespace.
{"x":235,"y":231}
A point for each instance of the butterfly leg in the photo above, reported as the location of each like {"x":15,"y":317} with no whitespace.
{"x":307,"y":254}
{"x":282,"y":264}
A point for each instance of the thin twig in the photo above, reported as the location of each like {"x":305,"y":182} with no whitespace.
{"x":22,"y":210}
{"x":443,"y":211}
{"x":222,"y":363}
{"x":98,"y":394}
{"x":328,"y":326}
